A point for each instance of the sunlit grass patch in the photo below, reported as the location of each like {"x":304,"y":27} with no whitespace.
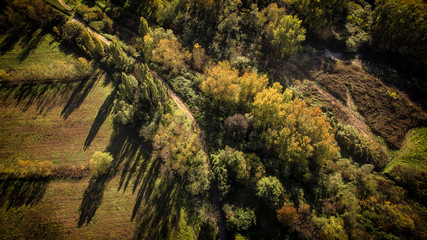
{"x":52,"y":122}
{"x":413,"y":151}
{"x":36,"y":56}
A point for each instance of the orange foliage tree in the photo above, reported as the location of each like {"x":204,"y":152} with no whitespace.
{"x":287,"y":216}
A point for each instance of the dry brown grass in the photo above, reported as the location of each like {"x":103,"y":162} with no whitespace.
{"x":354,"y":96}
{"x":387,"y":111}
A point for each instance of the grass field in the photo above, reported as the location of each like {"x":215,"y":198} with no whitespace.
{"x":35,"y":56}
{"x":413,"y":151}
{"x":55,"y":217}
{"x":54,"y":122}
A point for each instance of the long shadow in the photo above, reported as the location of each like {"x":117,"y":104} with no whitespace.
{"x":30,"y":42}
{"x":124,"y":148}
{"x":100,"y":118}
{"x":43,"y":96}
{"x":92,"y":198}
{"x":9,"y":43}
{"x":16,"y":193}
{"x":13,"y":38}
{"x":160,"y":212}
{"x":79,"y":95}
{"x":129,"y":150}
{"x":158,"y":201}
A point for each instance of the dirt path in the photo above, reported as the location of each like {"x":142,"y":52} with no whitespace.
{"x":65,"y":5}
{"x":89,"y":29}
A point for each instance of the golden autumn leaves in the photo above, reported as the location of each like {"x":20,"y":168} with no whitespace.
{"x":297,"y":134}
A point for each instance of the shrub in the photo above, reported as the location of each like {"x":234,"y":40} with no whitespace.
{"x":270,"y":189}
{"x":83,"y":66}
{"x":239,"y":218}
{"x":412,"y":178}
{"x":68,"y":171}
{"x":28,"y":169}
{"x":89,"y":14}
{"x":70,"y":31}
{"x":34,"y":169}
{"x":100,"y":163}
{"x":360,"y":147}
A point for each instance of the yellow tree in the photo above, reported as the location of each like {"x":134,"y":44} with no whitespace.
{"x":250,"y":84}
{"x":171,"y":55}
{"x":224,"y":85}
{"x":268,"y":107}
{"x":221,"y":83}
{"x":297,"y":134}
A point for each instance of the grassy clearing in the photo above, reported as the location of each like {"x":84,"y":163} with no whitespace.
{"x":27,"y":222}
{"x":52,"y":122}
{"x":55,"y":217}
{"x":111,"y":220}
{"x":35,"y":56}
{"x":413,"y":151}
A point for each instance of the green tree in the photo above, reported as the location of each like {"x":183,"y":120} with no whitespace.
{"x":181,"y":152}
{"x":88,"y":43}
{"x":400,"y":26}
{"x":118,"y":58}
{"x":99,"y":47}
{"x":239,"y":218}
{"x":286,"y":35}
{"x":270,"y":189}
{"x":228,"y":166}
{"x":128,"y":86}
{"x":143,"y":27}
{"x":321,"y":17}
{"x":100,"y":163}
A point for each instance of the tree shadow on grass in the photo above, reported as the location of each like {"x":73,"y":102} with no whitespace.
{"x":30,"y":43}
{"x":100,"y":118}
{"x":160,"y":211}
{"x":158,"y":202}
{"x":43,"y":96}
{"x":123,"y":147}
{"x":13,"y":38}
{"x":92,"y":198}
{"x":16,"y":193}
{"x":9,"y":43}
{"x":79,"y":95}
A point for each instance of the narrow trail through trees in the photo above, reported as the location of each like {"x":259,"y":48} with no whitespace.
{"x":213,"y":191}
